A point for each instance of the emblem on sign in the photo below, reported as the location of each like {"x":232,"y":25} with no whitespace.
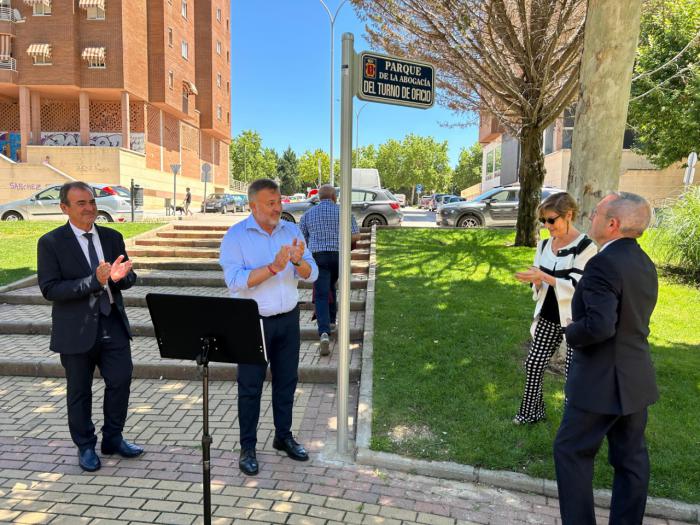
{"x":370,"y":68}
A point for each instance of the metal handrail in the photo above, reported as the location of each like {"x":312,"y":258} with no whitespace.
{"x":8,"y":63}
{"x":10,"y":14}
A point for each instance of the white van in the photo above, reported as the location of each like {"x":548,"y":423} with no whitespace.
{"x":365,"y":178}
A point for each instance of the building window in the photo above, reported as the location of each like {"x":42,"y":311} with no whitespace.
{"x":492,"y":163}
{"x":218,"y":47}
{"x":183,"y":8}
{"x":170,"y":36}
{"x":95,"y":57}
{"x":218,"y":80}
{"x":95,"y":13}
{"x":227,"y":25}
{"x":42,"y":60}
{"x":228,"y":118}
{"x":185,"y":50}
{"x":228,"y":87}
{"x":228,"y":57}
{"x":41,"y":9}
{"x":218,"y":14}
{"x":185,"y":102}
{"x":568,"y":128}
{"x":171,"y":79}
{"x":218,"y":112}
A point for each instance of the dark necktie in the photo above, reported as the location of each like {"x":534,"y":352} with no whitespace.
{"x":105,"y":307}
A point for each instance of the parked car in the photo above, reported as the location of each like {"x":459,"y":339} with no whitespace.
{"x":369,"y":206}
{"x":495,"y":207}
{"x":220,"y":203}
{"x":425,"y":201}
{"x":435,"y":201}
{"x":113,"y":204}
{"x":241,"y":202}
{"x":444,"y":200}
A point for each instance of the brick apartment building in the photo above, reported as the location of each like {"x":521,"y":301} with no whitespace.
{"x":114,"y":90}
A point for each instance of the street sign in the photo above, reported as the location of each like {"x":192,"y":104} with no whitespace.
{"x":175,"y":168}
{"x":690,"y":170}
{"x":394,"y":80}
{"x":206,"y":172}
{"x":419,"y":188}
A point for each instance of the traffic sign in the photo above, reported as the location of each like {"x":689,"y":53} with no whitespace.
{"x":206,"y":172}
{"x":419,"y":188}
{"x":175,"y":168}
{"x":394,"y":80}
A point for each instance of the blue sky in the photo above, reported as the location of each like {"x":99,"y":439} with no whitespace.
{"x":280,"y":87}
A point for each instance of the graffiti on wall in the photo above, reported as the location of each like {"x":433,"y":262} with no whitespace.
{"x":111,"y":140}
{"x":10,"y":144}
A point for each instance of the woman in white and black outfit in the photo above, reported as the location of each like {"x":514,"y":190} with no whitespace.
{"x":559,"y":263}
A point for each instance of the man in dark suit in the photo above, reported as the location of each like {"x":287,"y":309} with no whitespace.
{"x":82,"y":269}
{"x":611,"y":378}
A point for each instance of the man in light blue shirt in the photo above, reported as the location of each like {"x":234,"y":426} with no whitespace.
{"x":263,"y":257}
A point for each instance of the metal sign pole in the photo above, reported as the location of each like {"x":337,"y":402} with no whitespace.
{"x":347,"y":93}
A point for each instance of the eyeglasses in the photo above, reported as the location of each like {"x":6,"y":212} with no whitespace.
{"x":549,"y":220}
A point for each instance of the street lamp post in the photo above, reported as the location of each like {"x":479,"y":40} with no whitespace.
{"x":332,"y":18}
{"x":357,"y":133}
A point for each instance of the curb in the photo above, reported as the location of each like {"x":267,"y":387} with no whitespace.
{"x":171,"y":371}
{"x":656,"y":507}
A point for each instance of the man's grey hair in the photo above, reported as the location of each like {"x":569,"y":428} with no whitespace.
{"x":633,"y":211}
{"x":261,"y":184}
{"x":326,"y":192}
{"x":76,"y":185}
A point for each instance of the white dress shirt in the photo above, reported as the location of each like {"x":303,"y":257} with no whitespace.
{"x":245,"y":247}
{"x":83,"y":242}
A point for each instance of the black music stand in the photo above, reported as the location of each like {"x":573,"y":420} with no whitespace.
{"x":206,"y":329}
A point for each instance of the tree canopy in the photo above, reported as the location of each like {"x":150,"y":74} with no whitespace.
{"x":517,"y":60}
{"x":249,"y":160}
{"x":664,"y":109}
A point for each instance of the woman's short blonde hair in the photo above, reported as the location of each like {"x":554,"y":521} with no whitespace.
{"x":561,"y":203}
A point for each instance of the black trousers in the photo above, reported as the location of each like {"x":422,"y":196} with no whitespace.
{"x":112,"y":355}
{"x":282,"y":339}
{"x":575,"y":447}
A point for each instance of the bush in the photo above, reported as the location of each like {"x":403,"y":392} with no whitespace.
{"x":676,"y":240}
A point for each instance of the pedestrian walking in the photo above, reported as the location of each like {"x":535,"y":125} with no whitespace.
{"x":320,"y":226}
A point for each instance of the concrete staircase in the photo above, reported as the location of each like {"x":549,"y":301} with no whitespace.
{"x":181,"y":258}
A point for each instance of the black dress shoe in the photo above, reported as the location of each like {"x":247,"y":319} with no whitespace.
{"x":293,"y":449}
{"x":123,"y":449}
{"x":247,"y":462}
{"x":88,"y":460}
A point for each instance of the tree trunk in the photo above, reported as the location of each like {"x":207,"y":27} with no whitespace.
{"x":413,"y":194}
{"x":609,"y":47}
{"x":531,"y":175}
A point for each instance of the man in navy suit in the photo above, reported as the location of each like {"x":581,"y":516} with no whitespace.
{"x":611,"y":379}
{"x":82,"y":269}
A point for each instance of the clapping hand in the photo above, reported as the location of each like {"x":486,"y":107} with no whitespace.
{"x":296,"y":251}
{"x":119,"y":269}
{"x":102,"y":272}
{"x":281,"y":259}
{"x":531,"y":275}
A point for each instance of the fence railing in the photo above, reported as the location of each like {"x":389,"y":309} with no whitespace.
{"x":10,"y":15}
{"x":239,"y":185}
{"x":8,"y":64}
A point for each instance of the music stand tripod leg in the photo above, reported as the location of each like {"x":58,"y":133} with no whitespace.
{"x":203,"y":361}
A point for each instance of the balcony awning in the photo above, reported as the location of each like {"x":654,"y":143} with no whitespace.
{"x":39,"y":50}
{"x":94,"y":54}
{"x":32,"y":3}
{"x":189,"y":87}
{"x":85,"y":4}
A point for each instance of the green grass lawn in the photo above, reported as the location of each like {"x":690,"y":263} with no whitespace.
{"x":451,"y":333}
{"x":18,"y":244}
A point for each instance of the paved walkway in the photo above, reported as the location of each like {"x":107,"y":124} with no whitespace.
{"x":40,"y":481}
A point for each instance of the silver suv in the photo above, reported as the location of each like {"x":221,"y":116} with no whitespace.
{"x":369,"y":206}
{"x":495,"y":207}
{"x":113,"y":204}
